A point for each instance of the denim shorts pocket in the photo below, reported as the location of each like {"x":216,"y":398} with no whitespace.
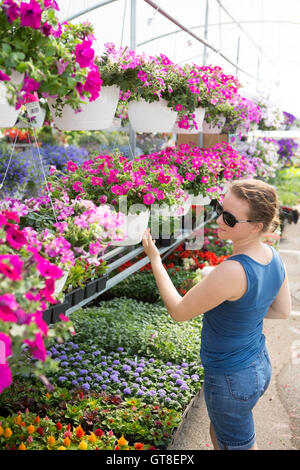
{"x":243,"y":385}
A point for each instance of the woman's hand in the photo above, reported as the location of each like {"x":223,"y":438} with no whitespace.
{"x":149,"y":246}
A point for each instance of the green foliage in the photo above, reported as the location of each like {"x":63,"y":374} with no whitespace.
{"x":141,"y":328}
{"x":287,"y":182}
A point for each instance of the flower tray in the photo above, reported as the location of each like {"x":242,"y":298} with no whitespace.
{"x":163,"y":242}
{"x":90,"y":289}
{"x":101,"y":282}
{"x":77,"y":296}
{"x":58,"y":310}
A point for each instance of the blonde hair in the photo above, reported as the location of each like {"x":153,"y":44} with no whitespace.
{"x":262,"y":200}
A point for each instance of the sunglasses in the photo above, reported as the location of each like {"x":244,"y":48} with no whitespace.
{"x":228,"y":218}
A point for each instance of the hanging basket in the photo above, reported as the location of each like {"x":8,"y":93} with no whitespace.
{"x":209,"y":128}
{"x":8,"y":113}
{"x":177,"y":210}
{"x":200,"y":200}
{"x":134,"y":226}
{"x":151,"y":117}
{"x":199,"y":117}
{"x":60,"y":283}
{"x":95,"y":115}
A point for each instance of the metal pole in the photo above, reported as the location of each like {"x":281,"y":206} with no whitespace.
{"x":238,"y":55}
{"x":205,"y":33}
{"x":132,"y":135}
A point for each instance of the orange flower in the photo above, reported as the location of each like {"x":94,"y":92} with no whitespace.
{"x":37,"y":419}
{"x":18,"y":420}
{"x":1,"y":431}
{"x":30,"y":429}
{"x":7,"y":433}
{"x":139,"y":446}
{"x":79,"y":432}
{"x":122,"y":441}
{"x":92,"y":438}
{"x":47,"y":395}
{"x":22,"y":447}
{"x":51,"y":440}
{"x":67,"y":442}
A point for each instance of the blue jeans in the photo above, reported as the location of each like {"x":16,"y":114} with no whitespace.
{"x":230,"y":399}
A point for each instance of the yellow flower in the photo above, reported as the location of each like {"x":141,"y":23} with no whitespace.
{"x":1,"y":431}
{"x":7,"y":433}
{"x":122,"y":441}
{"x":51,"y":440}
{"x":92,"y":438}
{"x":83,"y":445}
{"x":61,"y":448}
{"x":67,"y":442}
{"x":30,"y":429}
{"x":22,"y":447}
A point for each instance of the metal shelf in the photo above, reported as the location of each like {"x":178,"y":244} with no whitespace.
{"x":114,"y":280}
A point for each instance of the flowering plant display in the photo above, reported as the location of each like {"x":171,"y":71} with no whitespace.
{"x":289,"y":120}
{"x":272,"y":116}
{"x":57,"y":60}
{"x":287,"y":149}
{"x":105,"y":178}
{"x":245,"y":116}
{"x":262,"y":154}
{"x":27,"y":431}
{"x":27,"y":284}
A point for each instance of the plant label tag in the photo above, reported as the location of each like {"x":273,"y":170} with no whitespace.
{"x":33,"y":109}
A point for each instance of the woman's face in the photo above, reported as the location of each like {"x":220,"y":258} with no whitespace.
{"x":240,"y":209}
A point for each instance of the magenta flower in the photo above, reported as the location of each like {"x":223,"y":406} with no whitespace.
{"x":178,"y":107}
{"x":49,"y":270}
{"x":14,"y":269}
{"x":77,"y":187}
{"x":15,"y":238}
{"x":149,"y":199}
{"x":4,"y":77}
{"x":8,"y":308}
{"x":6,"y":341}
{"x":31,"y":14}
{"x":84,"y":54}
{"x":96,"y":181}
{"x":51,"y":4}
{"x":103,"y":199}
{"x":93,"y":84}
{"x":30,"y":85}
{"x":12,"y":10}
{"x":37,"y":347}
{"x":61,"y":66}
{"x":71,"y":166}
{"x":5,"y":376}
{"x":164,"y":179}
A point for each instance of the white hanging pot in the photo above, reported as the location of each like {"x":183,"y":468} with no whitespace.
{"x":134,"y":226}
{"x":95,"y":115}
{"x":37,"y":122}
{"x":151,"y":117}
{"x":199,"y":117}
{"x":209,"y":128}
{"x":201,"y":200}
{"x":8,"y":113}
{"x":60,"y":283}
{"x":177,"y":210}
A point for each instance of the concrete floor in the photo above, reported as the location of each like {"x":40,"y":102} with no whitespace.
{"x":277,"y":414}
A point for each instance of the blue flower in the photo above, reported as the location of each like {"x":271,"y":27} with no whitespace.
{"x":63,"y":357}
{"x":184,"y":364}
{"x":179,"y":382}
{"x":116,"y":361}
{"x":126,"y":368}
{"x":85,"y":386}
{"x":64,"y":364}
{"x":140,"y":393}
{"x":105,"y":374}
{"x":120,"y":349}
{"x":104,"y":387}
{"x":127,"y":391}
{"x":139,"y":369}
{"x":74,"y":382}
{"x":62,"y":378}
{"x":83,"y":371}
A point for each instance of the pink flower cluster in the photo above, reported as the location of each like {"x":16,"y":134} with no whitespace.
{"x":27,"y":283}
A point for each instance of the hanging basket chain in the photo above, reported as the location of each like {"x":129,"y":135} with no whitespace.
{"x":9,"y":162}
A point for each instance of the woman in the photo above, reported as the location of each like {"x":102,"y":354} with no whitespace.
{"x":235,"y":297}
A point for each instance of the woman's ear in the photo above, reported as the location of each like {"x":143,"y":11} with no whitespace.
{"x":258,"y":227}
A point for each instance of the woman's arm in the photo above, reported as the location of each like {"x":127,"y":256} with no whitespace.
{"x":227,"y":280}
{"x":282,"y":305}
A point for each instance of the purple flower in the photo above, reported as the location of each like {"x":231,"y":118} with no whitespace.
{"x":179,"y":382}
{"x":104,"y":387}
{"x":62,"y":378}
{"x":86,"y":386}
{"x":116,"y":361}
{"x":64,"y":364}
{"x":184,"y":364}
{"x":31,"y":14}
{"x":63,"y":357}
{"x":84,"y":53}
{"x":74,"y":382}
{"x":126,"y":368}
{"x":83,"y":372}
{"x":120,"y":349}
{"x":139,"y":393}
{"x":127,"y":391}
{"x":139,"y":369}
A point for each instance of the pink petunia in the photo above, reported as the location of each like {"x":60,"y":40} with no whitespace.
{"x":4,"y":77}
{"x":77,"y":187}
{"x":31,"y":14}
{"x":61,"y":65}
{"x":51,"y":4}
{"x":5,"y":377}
{"x":96,"y":181}
{"x":5,"y":347}
{"x":11,"y":267}
{"x":49,"y":270}
{"x":37,"y":347}
{"x":8,"y":308}
{"x":15,"y":238}
{"x":84,"y":53}
{"x":12,"y":10}
{"x":148,"y":199}
{"x":71,"y":166}
{"x":93,"y":84}
{"x":30,"y":85}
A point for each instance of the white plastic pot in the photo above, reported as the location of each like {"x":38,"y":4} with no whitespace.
{"x":201,"y":200}
{"x":134,"y":226}
{"x":8,"y":113}
{"x":208,"y":128}
{"x":37,"y":122}
{"x":60,"y":283}
{"x":199,"y":117}
{"x":95,"y":115}
{"x":151,"y":117}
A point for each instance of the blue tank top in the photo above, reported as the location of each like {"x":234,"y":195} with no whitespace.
{"x":232,"y":332}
